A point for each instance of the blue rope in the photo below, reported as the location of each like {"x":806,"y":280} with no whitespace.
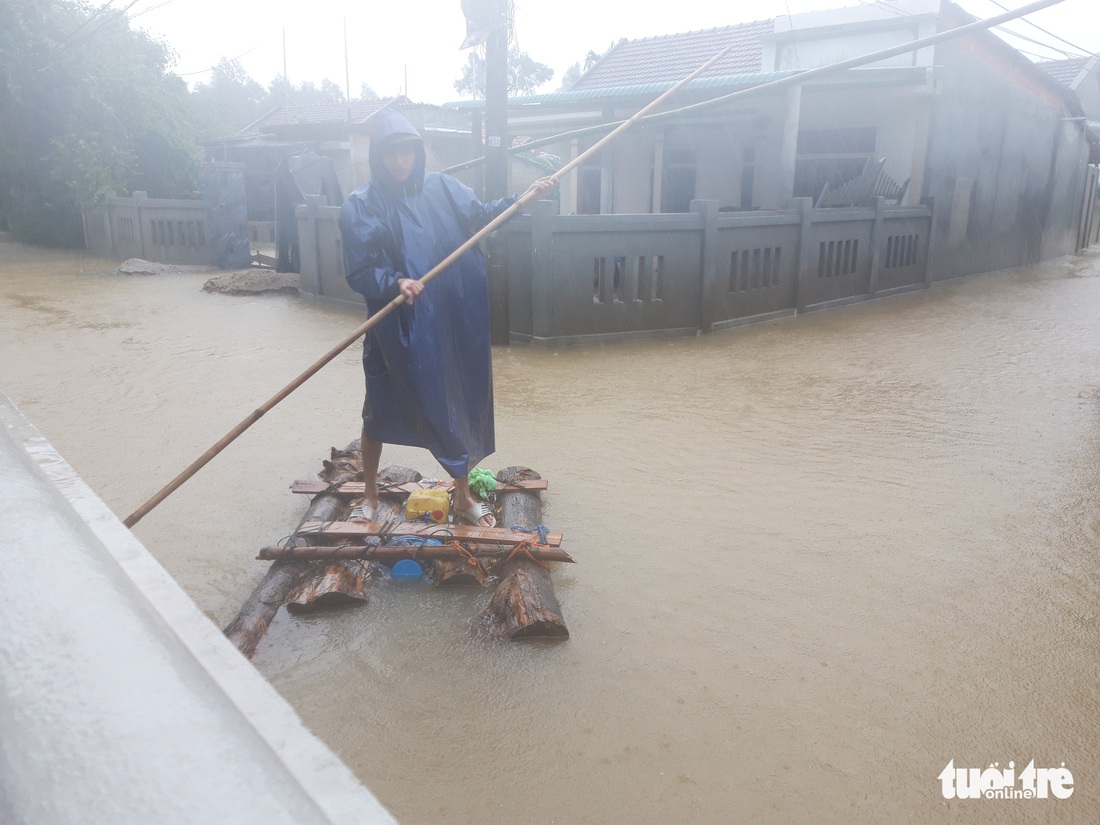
{"x":542,"y":530}
{"x":414,"y":541}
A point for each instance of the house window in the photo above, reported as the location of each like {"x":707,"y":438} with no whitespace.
{"x":678,"y":186}
{"x":830,"y":156}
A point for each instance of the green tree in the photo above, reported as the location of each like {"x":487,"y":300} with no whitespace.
{"x":228,"y":101}
{"x":88,"y":106}
{"x":281,"y":92}
{"x":576,"y":71}
{"x":524,"y":74}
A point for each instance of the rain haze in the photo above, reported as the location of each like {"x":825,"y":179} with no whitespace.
{"x":830,"y":468}
{"x":414,"y":45}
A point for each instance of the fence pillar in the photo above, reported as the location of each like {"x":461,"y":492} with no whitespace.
{"x":109,"y":216}
{"x":878,"y":241}
{"x":805,"y":208}
{"x":308,"y":252}
{"x":542,"y":269}
{"x":708,"y":262}
{"x":138,"y":218}
{"x":934,"y":241}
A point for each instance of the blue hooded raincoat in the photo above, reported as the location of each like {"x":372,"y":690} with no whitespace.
{"x":428,"y":366}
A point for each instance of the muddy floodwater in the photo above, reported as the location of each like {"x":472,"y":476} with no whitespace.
{"x":819,"y":558}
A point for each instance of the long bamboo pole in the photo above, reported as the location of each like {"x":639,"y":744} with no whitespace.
{"x":528,"y":196}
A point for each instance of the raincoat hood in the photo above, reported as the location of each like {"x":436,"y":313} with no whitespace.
{"x":390,"y":129}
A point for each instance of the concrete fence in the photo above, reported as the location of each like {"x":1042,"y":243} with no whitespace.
{"x":573,"y":279}
{"x":211,"y":231}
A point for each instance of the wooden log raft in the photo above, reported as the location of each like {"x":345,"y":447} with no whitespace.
{"x":308,"y":581}
{"x":523,"y":605}
{"x":255,"y":615}
{"x":354,"y":489}
{"x":393,"y":553}
{"x":339,"y":583}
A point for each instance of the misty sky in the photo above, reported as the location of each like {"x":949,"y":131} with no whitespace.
{"x":416,"y":41}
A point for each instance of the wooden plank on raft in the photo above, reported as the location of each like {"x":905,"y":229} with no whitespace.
{"x":344,"y":530}
{"x":354,"y":489}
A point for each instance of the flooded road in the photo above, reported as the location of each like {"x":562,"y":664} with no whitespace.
{"x":819,"y":558}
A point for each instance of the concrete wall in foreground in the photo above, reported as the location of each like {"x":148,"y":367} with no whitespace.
{"x":586,"y":279}
{"x":119,"y":701}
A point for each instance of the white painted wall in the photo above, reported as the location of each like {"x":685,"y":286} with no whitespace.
{"x":811,"y":39}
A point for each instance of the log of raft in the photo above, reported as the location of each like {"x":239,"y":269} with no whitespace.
{"x":310,"y":582}
{"x":523,"y":605}
{"x":256,"y":614}
{"x":340,"y":583}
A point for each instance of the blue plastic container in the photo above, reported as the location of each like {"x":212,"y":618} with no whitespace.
{"x":407,"y":569}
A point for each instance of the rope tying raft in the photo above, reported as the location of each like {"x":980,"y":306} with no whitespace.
{"x":524,"y":548}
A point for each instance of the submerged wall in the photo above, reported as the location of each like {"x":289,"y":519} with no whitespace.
{"x":119,"y":701}
{"x":211,"y":231}
{"x":576,"y":279}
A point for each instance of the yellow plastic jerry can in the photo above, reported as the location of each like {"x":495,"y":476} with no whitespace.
{"x":436,"y":504}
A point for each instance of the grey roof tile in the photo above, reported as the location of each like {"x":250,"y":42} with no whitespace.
{"x":1065,"y":71}
{"x":671,"y":57}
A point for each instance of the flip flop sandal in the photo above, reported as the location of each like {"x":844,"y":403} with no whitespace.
{"x":473,"y":514}
{"x":363,"y":512}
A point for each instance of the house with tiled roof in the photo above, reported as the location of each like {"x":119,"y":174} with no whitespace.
{"x":968,"y":124}
{"x":1082,"y":75}
{"x":338,"y":132}
{"x":631,"y":62}
{"x":1071,"y":71}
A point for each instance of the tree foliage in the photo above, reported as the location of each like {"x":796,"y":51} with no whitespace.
{"x":524,"y":74}
{"x":231,"y":100}
{"x":87,"y":106}
{"x":228,"y":101}
{"x":576,"y":71}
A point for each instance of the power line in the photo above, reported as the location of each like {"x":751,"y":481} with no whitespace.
{"x":1079,"y":51}
{"x":1031,"y":40}
{"x":1050,"y":34}
{"x":151,"y":8}
{"x":85,"y":22}
{"x":120,"y":13}
{"x":211,"y":68}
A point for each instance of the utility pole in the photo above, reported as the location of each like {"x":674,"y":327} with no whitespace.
{"x":487,"y":23}
{"x":496,"y":114}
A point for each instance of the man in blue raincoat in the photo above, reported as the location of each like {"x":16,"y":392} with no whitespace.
{"x":428,"y":364}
